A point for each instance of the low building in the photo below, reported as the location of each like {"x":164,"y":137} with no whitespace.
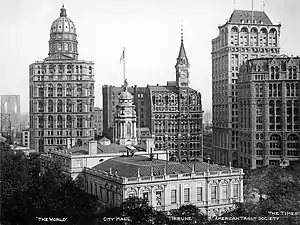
{"x":166,"y":185}
{"x":74,"y":159}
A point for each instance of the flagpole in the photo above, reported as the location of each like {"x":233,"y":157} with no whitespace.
{"x":124,"y":77}
{"x":252,"y":13}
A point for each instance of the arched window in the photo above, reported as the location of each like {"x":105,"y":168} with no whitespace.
{"x":50,"y":106}
{"x":294,"y":73}
{"x":69,"y":69}
{"x":273,"y":38}
{"x":69,"y":121}
{"x":59,"y":121}
{"x":128,"y":130}
{"x":234,"y":36}
{"x":277,"y":73}
{"x":41,"y":122}
{"x":50,"y":90}
{"x":50,"y":121}
{"x":41,"y":106}
{"x":59,"y":90}
{"x":59,"y":105}
{"x":253,"y":37}
{"x":41,"y":92}
{"x":244,"y":36}
{"x":272,"y":73}
{"x":290,"y":73}
{"x":69,"y":106}
{"x":263,"y":37}
{"x":69,"y":90}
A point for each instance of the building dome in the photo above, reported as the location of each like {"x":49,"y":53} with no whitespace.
{"x":125,"y":95}
{"x":63,"y":37}
{"x":63,"y":24}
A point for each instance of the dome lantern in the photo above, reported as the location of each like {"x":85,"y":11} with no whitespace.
{"x":63,"y":37}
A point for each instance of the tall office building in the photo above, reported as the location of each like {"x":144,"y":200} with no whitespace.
{"x":61,"y":92}
{"x":174,"y":115}
{"x":268,"y":108}
{"x":246,"y":35}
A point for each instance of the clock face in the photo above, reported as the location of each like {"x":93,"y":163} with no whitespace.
{"x":183,"y":74}
{"x":127,"y":112}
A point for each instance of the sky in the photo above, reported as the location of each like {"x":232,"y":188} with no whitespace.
{"x":148,"y":29}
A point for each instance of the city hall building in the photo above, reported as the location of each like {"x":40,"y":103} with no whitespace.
{"x":166,"y":185}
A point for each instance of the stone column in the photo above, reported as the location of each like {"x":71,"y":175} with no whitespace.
{"x":241,"y":186}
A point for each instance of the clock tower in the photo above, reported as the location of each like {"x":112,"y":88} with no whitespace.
{"x":125,"y":119}
{"x":182,"y":67}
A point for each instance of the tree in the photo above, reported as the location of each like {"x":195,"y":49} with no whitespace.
{"x":27,"y":194}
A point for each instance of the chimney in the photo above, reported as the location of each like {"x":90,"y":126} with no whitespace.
{"x":110,"y":171}
{"x":149,"y":145}
{"x":92,"y":146}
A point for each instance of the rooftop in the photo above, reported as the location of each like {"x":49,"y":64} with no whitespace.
{"x":246,"y":15}
{"x":130,"y":167}
{"x":101,"y":149}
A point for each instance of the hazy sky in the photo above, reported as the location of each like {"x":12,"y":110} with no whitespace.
{"x":149,"y":29}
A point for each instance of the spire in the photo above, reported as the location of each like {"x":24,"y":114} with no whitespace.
{"x":63,"y":11}
{"x":181,"y":31}
{"x":182,"y":58}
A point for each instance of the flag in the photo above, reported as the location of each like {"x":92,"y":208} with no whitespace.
{"x":123,"y":55}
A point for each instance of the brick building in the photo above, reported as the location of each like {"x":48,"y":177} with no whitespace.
{"x":174,"y":114}
{"x":111,"y":100}
{"x":268,"y":108}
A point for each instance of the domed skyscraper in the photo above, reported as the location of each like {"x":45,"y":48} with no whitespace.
{"x":61,"y":92}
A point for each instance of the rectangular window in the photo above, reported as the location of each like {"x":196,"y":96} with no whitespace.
{"x":213,"y":192}
{"x":146,"y":196}
{"x":173,"y":197}
{"x":235,"y":190}
{"x":199,"y":194}
{"x":158,"y":198}
{"x":225,"y":192}
{"x":186,"y":195}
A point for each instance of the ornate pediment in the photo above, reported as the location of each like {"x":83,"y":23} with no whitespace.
{"x":59,"y":57}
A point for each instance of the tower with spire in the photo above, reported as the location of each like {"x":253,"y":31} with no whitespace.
{"x":182,"y":66}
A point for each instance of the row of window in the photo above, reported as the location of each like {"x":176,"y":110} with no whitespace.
{"x":44,"y":69}
{"x":67,"y":106}
{"x":67,"y":92}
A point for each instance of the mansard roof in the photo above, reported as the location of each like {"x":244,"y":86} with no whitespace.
{"x":245,"y":15}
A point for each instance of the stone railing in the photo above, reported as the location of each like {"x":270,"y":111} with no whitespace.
{"x":183,"y":176}
{"x":106,"y":175}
